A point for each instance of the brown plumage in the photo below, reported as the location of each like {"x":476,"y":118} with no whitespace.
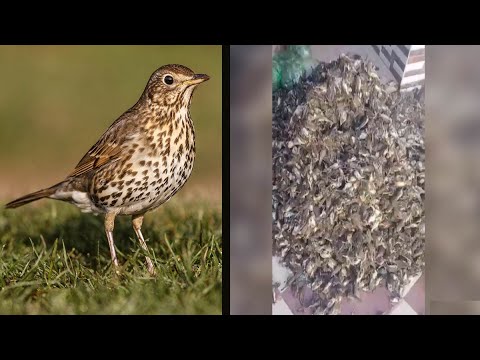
{"x":37,"y":195}
{"x":142,"y":159}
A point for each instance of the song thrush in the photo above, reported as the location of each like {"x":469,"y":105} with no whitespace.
{"x":141,"y":161}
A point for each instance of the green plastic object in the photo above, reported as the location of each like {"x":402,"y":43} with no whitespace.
{"x":276,"y":73}
{"x":289,"y":66}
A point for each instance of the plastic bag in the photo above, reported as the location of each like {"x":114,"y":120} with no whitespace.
{"x":303,"y":51}
{"x":277,"y":65}
{"x":289,"y":66}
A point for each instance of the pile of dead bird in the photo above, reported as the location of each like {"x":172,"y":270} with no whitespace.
{"x":348,"y":183}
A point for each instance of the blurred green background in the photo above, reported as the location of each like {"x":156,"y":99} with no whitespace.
{"x":56,"y":101}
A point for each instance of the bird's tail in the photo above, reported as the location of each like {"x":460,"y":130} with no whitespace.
{"x":32,"y":197}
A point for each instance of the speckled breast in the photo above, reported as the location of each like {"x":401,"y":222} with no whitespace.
{"x":158,"y":164}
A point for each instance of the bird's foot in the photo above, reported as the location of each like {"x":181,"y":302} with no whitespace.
{"x":116,"y":268}
{"x":150,"y":267}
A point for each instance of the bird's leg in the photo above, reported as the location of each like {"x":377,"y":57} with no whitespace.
{"x":137,"y":221}
{"x":109,"y":225}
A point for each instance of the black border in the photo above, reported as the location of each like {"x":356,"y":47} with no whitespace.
{"x":226,"y":180}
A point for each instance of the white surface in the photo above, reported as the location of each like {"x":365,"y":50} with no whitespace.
{"x":416,"y":47}
{"x":413,"y":78}
{"x":403,"y":309}
{"x":407,"y":288}
{"x":281,"y":308}
{"x":415,"y":66}
{"x":411,"y":88}
{"x":280,"y":273}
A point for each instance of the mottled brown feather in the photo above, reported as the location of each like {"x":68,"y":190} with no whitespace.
{"x":107,"y":149}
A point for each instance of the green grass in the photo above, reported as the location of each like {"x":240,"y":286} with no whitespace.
{"x":55,"y":260}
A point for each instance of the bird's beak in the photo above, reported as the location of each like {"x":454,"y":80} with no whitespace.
{"x":197,"y":79}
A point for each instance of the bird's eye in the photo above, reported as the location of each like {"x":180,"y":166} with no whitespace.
{"x":168,"y":80}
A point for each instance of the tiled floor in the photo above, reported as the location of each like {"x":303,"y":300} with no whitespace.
{"x":374,"y":303}
{"x":281,"y":308}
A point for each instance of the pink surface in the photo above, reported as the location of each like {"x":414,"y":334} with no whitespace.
{"x":370,"y":303}
{"x":374,"y":303}
{"x":416,"y":296}
{"x":294,"y":303}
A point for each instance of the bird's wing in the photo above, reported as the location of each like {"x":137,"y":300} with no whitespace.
{"x":107,"y":148}
{"x":100,"y":154}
